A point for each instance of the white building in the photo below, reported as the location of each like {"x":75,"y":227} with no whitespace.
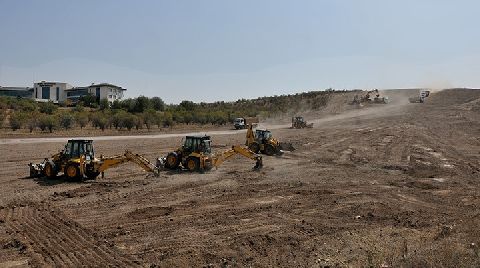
{"x":60,"y":92}
{"x":106,"y":91}
{"x":50,"y":91}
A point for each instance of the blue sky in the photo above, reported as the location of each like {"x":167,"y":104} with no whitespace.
{"x":224,"y":50}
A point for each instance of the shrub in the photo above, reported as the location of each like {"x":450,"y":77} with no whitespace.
{"x":82,"y":119}
{"x":66,"y":120}
{"x":47,"y":122}
{"x":48,"y":107}
{"x":157,"y":104}
{"x":99,"y":120}
{"x":149,"y":118}
{"x":17,"y":120}
{"x":104,"y":104}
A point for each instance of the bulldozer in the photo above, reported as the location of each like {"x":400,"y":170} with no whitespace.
{"x":77,"y":161}
{"x":369,"y":98}
{"x":196,"y":155}
{"x":299,"y":122}
{"x":262,"y":141}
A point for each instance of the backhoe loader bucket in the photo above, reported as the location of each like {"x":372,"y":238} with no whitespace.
{"x":286,"y":146}
{"x":258,"y":164}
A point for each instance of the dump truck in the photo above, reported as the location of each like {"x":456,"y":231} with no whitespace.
{"x":243,"y":122}
{"x":423,"y":94}
{"x":196,"y":155}
{"x":77,"y":161}
{"x":299,"y":122}
{"x":262,"y":141}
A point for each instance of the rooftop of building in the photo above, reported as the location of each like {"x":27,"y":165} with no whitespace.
{"x":106,"y":85}
{"x":16,"y":88}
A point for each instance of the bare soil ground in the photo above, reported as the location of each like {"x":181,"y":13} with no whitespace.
{"x":392,"y":185}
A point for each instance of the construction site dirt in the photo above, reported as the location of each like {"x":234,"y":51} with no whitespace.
{"x":387,"y":185}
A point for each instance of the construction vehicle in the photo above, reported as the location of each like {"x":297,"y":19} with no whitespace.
{"x":196,"y":155}
{"x":243,"y":122}
{"x":262,"y":141}
{"x":299,"y":122}
{"x":372,"y":96}
{"x":77,"y":161}
{"x":421,"y":97}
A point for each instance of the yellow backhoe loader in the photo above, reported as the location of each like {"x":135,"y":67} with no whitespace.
{"x":196,"y":155}
{"x":262,"y":141}
{"x":77,"y":161}
{"x":299,"y":122}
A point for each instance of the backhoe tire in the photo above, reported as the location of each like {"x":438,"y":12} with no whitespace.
{"x":72,"y":172}
{"x":172,"y":161}
{"x":49,"y":170}
{"x":270,"y":150}
{"x":254,"y":147}
{"x":193,"y":163}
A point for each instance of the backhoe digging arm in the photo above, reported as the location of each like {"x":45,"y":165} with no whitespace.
{"x":128,"y":156}
{"x":219,"y":159}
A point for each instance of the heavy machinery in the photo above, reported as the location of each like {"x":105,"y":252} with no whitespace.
{"x":372,"y":96}
{"x":421,"y":97}
{"x":263,"y":141}
{"x":196,"y":155}
{"x":243,"y":122}
{"x":77,"y":161}
{"x":299,"y":122}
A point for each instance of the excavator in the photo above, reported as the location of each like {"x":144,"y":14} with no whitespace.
{"x":196,"y":155}
{"x":77,"y":161}
{"x":263,"y":141}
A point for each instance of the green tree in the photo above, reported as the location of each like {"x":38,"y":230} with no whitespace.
{"x":116,"y":105}
{"x":79,"y":108}
{"x":141,"y":104}
{"x":47,"y":122}
{"x":149,"y":118}
{"x":32,"y":121}
{"x":104,"y":104}
{"x":17,"y":120}
{"x":187,"y":105}
{"x":157,"y":104}
{"x":128,"y":121}
{"x":48,"y":107}
{"x":82,"y":119}
{"x":99,"y":120}
{"x":89,"y":100}
{"x":138,"y":122}
{"x":66,"y":120}
{"x":168,"y":119}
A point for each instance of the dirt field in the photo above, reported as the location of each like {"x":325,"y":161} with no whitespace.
{"x":392,"y":185}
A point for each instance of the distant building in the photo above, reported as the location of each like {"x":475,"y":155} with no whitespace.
{"x":20,"y":92}
{"x":100,"y":91}
{"x":59,"y":92}
{"x":107,"y":91}
{"x":50,"y":91}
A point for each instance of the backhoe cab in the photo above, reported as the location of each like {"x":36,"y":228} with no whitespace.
{"x":196,"y":155}
{"x":77,"y":161}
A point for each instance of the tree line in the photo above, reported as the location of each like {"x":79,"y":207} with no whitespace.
{"x":143,"y":112}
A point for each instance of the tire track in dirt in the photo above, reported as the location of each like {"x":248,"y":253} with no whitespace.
{"x":54,"y":240}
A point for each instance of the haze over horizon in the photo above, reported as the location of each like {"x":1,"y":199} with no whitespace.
{"x":223,"y":50}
